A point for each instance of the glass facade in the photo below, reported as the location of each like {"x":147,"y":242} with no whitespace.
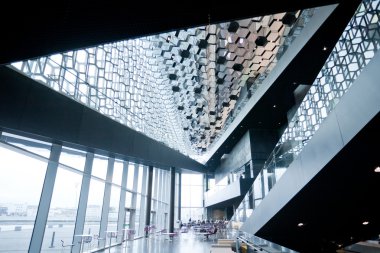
{"x":24,"y":165}
{"x":63,"y":208}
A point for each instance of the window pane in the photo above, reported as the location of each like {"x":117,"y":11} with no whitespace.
{"x":94,"y":207}
{"x":131,"y":170}
{"x":128,"y":199}
{"x":186,"y":196}
{"x":21,"y":183}
{"x":140,"y":179}
{"x":117,"y":172}
{"x":63,"y":208}
{"x":192,"y":197}
{"x":114,"y":208}
{"x":99,"y":167}
{"x":73,"y":158}
{"x":196,"y":196}
{"x":35,"y":146}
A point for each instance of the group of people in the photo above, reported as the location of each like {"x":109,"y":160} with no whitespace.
{"x":204,"y":227}
{"x":210,"y":222}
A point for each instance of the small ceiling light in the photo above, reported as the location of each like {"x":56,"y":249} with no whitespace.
{"x":324,"y":48}
{"x":300,"y":224}
{"x":377,"y":169}
{"x":274,"y":106}
{"x":365,"y":222}
{"x":168,"y":38}
{"x":241,"y":126}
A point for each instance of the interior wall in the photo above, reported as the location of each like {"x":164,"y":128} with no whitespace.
{"x":238,"y":156}
{"x":218,"y":214}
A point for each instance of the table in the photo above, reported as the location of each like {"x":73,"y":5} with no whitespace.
{"x":111,"y":234}
{"x":171,"y":235}
{"x":128,"y":234}
{"x":85,"y":238}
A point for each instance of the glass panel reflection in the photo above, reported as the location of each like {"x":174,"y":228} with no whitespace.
{"x":21,"y":181}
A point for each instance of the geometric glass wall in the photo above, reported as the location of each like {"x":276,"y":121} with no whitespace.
{"x":178,"y":87}
{"x":358,"y":44}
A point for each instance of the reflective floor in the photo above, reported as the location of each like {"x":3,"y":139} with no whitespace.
{"x":183,"y":243}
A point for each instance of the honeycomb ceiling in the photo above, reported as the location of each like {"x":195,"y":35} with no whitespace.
{"x":180,"y":88}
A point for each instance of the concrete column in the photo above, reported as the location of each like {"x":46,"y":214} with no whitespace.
{"x":121,"y":215}
{"x":45,"y":200}
{"x":106,"y":203}
{"x":179,"y":195}
{"x":82,"y":205}
{"x":155,"y":193}
{"x":207,"y":187}
{"x":171,"y":202}
{"x":161,"y":199}
{"x":149,"y":199}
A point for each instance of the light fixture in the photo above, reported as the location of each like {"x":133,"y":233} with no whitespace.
{"x":300,"y":224}
{"x":377,"y":169}
{"x":168,"y":38}
{"x":324,"y":48}
{"x":365,"y":222}
{"x":274,"y":106}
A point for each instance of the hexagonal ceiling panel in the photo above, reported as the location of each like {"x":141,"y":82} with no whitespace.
{"x":179,"y":87}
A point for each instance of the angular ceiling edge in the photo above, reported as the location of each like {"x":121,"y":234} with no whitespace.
{"x":321,"y":15}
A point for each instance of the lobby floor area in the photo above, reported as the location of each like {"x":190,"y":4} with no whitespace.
{"x":184,"y":243}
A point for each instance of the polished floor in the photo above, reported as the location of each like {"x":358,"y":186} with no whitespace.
{"x":183,"y":243}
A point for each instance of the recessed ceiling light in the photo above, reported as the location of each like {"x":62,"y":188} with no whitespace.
{"x":279,"y":123}
{"x":168,"y":38}
{"x":241,"y":126}
{"x":365,"y":222}
{"x":324,"y":48}
{"x":274,"y":106}
{"x":300,"y":224}
{"x":377,"y":169}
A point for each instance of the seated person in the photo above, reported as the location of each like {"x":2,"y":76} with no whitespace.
{"x":212,"y":231}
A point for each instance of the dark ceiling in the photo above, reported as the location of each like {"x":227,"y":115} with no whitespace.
{"x":335,"y":202}
{"x":37,"y":28}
